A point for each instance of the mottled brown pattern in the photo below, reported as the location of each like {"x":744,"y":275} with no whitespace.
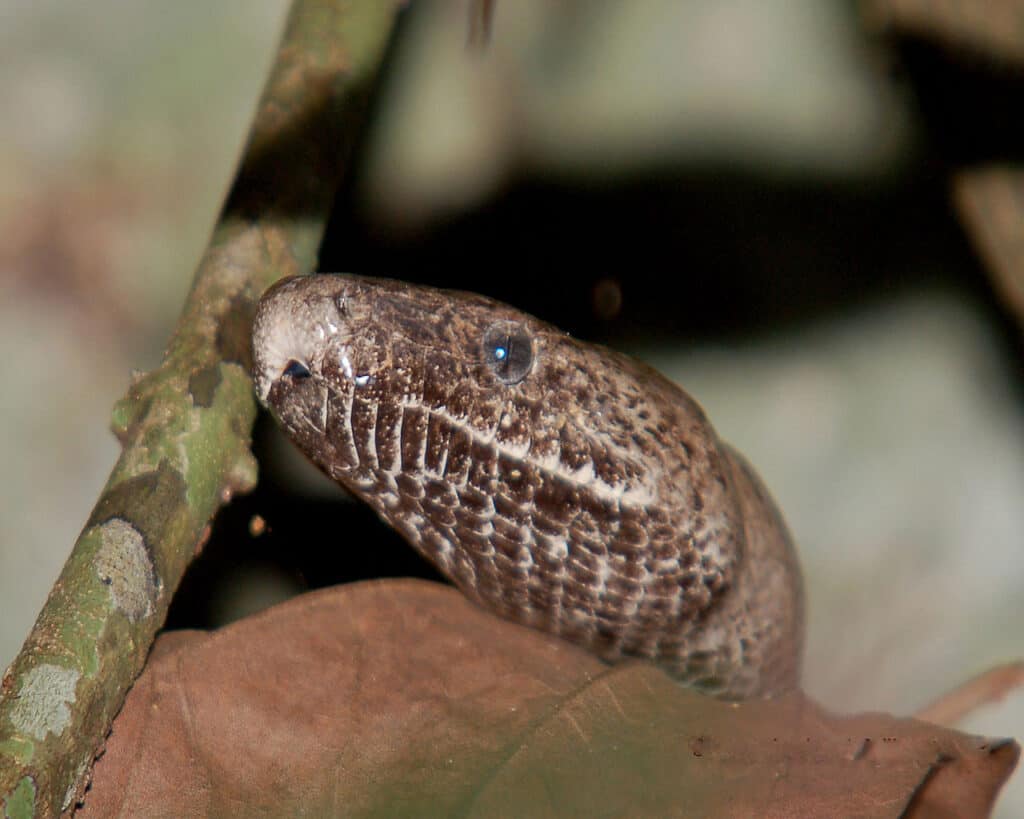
{"x":591,"y":499}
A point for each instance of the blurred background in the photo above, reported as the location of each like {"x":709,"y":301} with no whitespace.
{"x":754,"y":196}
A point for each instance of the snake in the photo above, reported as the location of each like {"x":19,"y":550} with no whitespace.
{"x":557,"y":483}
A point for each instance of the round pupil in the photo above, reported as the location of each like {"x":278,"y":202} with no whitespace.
{"x":509,"y":352}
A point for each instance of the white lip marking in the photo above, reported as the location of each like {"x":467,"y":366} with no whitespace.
{"x":371,"y":440}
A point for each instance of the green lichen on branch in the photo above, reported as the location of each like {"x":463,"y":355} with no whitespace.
{"x":185,"y":427}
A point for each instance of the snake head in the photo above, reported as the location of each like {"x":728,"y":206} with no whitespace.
{"x":557,"y":482}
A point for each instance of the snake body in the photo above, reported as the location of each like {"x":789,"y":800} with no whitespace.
{"x":557,"y":483}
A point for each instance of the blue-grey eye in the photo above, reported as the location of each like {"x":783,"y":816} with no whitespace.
{"x":296,"y":369}
{"x":508,"y":351}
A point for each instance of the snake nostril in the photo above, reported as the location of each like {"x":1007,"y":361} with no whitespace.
{"x":296,"y":369}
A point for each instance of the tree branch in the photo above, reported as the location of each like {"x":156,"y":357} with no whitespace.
{"x":185,"y":427}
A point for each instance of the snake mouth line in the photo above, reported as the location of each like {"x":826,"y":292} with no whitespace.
{"x":550,"y":466}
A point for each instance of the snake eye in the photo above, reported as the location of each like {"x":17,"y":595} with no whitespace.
{"x":508,"y":351}
{"x":296,"y":369}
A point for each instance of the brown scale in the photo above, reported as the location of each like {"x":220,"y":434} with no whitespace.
{"x":557,"y":483}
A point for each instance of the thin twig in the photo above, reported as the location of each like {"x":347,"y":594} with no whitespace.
{"x":481,"y":23}
{"x":988,"y":687}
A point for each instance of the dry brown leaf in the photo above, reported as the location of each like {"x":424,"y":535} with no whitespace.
{"x":989,"y":26}
{"x":991,"y":205}
{"x":400,"y":698}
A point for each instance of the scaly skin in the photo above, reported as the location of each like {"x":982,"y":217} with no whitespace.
{"x":564,"y":486}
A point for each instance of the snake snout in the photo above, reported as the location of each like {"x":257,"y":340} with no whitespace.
{"x":293,"y":323}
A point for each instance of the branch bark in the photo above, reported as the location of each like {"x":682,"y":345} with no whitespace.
{"x":185,"y":427}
